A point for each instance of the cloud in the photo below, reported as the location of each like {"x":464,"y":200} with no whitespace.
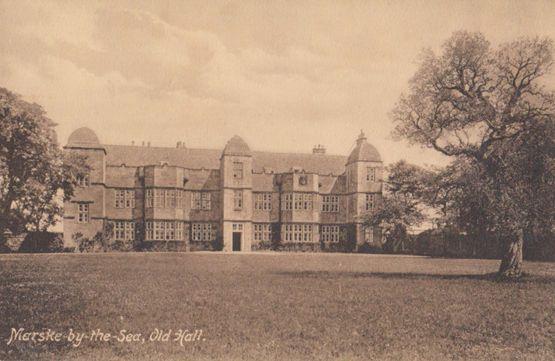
{"x":284,"y":76}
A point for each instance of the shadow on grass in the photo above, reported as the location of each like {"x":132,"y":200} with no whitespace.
{"x":489,"y":277}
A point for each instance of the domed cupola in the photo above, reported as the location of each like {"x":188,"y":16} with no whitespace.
{"x":83,"y":137}
{"x":364,"y":151}
{"x":237,"y":146}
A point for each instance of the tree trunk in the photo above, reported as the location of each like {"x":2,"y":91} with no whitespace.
{"x":511,"y":264}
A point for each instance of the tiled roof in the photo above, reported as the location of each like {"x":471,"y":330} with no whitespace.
{"x":312,"y":163}
{"x":210,"y":159}
{"x":121,"y":177}
{"x":263,"y":182}
{"x":132,"y":155}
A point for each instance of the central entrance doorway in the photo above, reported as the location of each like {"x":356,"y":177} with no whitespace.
{"x":236,"y":241}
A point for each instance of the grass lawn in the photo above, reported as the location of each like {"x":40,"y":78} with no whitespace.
{"x":277,"y":307}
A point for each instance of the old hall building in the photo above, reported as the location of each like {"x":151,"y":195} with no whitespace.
{"x":235,"y":197}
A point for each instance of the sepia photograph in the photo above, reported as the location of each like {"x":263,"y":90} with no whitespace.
{"x":277,"y":180}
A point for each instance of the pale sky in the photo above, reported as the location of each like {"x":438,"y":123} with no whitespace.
{"x":284,"y":75}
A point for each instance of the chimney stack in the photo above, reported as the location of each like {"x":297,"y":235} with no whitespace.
{"x":319,"y":149}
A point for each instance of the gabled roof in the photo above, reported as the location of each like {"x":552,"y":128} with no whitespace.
{"x":135,"y":156}
{"x":330,"y":184}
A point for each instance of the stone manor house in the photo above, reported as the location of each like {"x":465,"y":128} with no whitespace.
{"x":189,"y":199}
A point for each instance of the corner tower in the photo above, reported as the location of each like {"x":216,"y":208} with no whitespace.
{"x":364,"y":172}
{"x":85,"y":212}
{"x":236,"y":195}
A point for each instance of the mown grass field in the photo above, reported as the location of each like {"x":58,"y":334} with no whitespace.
{"x":277,"y":307}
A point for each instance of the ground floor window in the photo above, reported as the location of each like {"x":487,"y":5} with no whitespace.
{"x":203,"y":232}
{"x":262,"y":232}
{"x":297,"y":232}
{"x":369,"y":234}
{"x":164,"y":231}
{"x":124,"y":230}
{"x":329,"y":233}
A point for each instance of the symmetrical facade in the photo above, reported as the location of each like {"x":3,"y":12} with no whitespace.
{"x":236,"y":198}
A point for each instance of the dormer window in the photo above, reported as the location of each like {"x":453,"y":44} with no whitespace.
{"x":303,"y":180}
{"x":237,"y":170}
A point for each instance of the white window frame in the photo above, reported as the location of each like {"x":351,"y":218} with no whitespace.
{"x":149,"y":198}
{"x":370,"y":174}
{"x":83,"y":181}
{"x":238,"y":199}
{"x":237,"y":168}
{"x":370,"y":201}
{"x":330,"y":203}
{"x":83,"y":213}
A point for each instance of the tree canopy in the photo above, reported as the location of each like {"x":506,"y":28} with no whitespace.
{"x":483,"y":106}
{"x":33,"y":169}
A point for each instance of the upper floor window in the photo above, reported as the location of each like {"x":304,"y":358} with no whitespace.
{"x":370,"y":201}
{"x":302,"y":201}
{"x":307,"y":201}
{"x":371,"y":174}
{"x":149,"y":198}
{"x":263,"y":201}
{"x":169,"y":198}
{"x":83,"y":181}
{"x":125,"y":198}
{"x":287,"y":201}
{"x":238,"y":199}
{"x":163,"y":198}
{"x":159,"y":195}
{"x":83,"y":212}
{"x":237,"y":170}
{"x":201,"y":200}
{"x":330,"y":203}
{"x":297,"y":201}
{"x":179,"y":198}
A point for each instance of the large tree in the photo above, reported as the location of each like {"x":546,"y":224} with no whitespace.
{"x":33,"y":170}
{"x":469,"y":102}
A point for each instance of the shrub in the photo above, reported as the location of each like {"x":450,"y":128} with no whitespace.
{"x":217,"y":244}
{"x":42,"y":242}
